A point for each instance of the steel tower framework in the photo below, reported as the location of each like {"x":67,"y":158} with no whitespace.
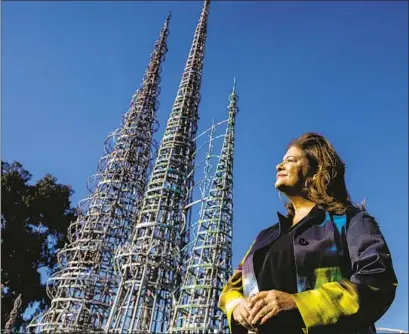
{"x":209,"y":263}
{"x":83,"y":289}
{"x":149,"y":263}
{"x":8,"y":327}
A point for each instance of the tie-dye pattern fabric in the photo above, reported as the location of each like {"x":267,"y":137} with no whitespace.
{"x":345,"y":276}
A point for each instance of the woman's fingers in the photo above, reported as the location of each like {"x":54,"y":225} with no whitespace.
{"x":258,"y":306}
{"x":267,"y":317}
{"x":245,"y":319}
{"x":256,"y":298}
{"x":260,"y":315}
{"x":268,"y":311}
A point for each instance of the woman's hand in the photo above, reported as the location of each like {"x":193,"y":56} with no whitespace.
{"x":267,"y":304}
{"x":241,"y":314}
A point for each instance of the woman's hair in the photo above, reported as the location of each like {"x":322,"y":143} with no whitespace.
{"x":325,"y":184}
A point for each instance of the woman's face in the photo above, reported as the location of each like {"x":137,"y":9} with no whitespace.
{"x":292,"y":172}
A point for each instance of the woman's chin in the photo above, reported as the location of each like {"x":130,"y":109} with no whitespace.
{"x":281,"y":187}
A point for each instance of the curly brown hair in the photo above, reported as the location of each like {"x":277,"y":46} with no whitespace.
{"x":325,"y":184}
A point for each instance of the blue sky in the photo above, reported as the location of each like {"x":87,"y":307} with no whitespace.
{"x":338,"y":68}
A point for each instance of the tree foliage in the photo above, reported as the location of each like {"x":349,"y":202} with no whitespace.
{"x":34,"y":222}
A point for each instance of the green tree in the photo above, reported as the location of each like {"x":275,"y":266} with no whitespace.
{"x":34,"y":222}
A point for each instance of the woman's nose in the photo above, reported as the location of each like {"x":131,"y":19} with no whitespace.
{"x":279,"y":167}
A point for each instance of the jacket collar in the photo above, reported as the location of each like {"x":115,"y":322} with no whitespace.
{"x":284,"y":223}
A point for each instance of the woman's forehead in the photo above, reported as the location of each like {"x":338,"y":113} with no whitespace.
{"x":294,"y":152}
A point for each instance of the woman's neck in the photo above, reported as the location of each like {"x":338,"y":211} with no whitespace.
{"x":302,"y":207}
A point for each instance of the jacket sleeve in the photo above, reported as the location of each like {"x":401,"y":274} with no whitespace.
{"x":366,"y":295}
{"x":232,"y":293}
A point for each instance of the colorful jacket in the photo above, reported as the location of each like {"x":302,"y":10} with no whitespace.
{"x":345,"y":277}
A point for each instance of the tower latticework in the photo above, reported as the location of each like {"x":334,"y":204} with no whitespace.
{"x":82,"y":290}
{"x":209,"y":263}
{"x":149,"y":263}
{"x":8,"y":327}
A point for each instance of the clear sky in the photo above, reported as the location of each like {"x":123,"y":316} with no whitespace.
{"x":338,"y":68}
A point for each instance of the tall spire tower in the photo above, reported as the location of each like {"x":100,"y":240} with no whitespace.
{"x":149,"y":263}
{"x":8,"y":327}
{"x":82,"y":289}
{"x":209,"y":265}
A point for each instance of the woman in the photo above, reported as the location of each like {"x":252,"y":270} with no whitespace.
{"x":324,"y":268}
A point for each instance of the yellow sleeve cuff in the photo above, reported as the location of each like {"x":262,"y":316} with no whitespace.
{"x":326,"y":304}
{"x":233,"y":298}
